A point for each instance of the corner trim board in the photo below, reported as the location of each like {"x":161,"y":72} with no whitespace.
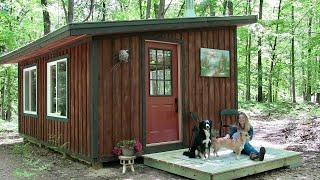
{"x":94,"y":91}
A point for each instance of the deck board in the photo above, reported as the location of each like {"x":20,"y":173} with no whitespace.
{"x":223,"y":167}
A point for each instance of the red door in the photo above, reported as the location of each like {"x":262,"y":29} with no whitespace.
{"x":161,"y":80}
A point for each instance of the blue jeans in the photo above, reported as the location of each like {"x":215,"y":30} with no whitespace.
{"x":248,"y":149}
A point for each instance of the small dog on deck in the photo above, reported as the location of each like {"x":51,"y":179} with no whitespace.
{"x":236,"y":145}
{"x":202,"y":141}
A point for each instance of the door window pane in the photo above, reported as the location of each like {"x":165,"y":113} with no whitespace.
{"x":168,"y":88}
{"x":153,"y":87}
{"x":160,"y":71}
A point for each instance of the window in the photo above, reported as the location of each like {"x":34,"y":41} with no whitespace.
{"x":160,"y":72}
{"x":30,"y":90}
{"x":57,"y":88}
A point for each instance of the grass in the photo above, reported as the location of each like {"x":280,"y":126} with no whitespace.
{"x":31,"y":165}
{"x":279,"y":109}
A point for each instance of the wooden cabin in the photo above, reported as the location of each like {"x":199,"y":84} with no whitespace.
{"x":86,"y":86}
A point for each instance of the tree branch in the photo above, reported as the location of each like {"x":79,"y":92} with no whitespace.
{"x":167,"y":7}
{"x":181,"y":8}
{"x":65,"y":10}
{"x":91,"y":11}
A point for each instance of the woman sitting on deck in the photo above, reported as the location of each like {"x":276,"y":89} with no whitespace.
{"x":244,"y":125}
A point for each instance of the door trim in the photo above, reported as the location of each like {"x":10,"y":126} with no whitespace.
{"x":178,"y":44}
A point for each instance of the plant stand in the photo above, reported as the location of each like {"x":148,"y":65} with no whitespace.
{"x":127,"y":161}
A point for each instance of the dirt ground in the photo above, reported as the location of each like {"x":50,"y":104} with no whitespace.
{"x":20,"y":160}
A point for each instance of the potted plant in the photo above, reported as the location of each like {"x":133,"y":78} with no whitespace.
{"x":127,"y":148}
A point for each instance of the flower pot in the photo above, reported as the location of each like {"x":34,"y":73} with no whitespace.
{"x":127,"y":151}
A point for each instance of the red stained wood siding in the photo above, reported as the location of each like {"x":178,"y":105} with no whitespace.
{"x":120,"y":89}
{"x":75,"y":133}
{"x":119,"y":93}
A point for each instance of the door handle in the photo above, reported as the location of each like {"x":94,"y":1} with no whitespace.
{"x":177,"y":104}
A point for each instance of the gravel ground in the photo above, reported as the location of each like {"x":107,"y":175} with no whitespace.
{"x":20,"y":160}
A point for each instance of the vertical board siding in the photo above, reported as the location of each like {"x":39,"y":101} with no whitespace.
{"x":74,"y":134}
{"x":120,"y":87}
{"x":119,"y":93}
{"x":120,"y":90}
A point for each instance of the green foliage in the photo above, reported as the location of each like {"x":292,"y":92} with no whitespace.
{"x":126,"y":143}
{"x":283,"y":108}
{"x":22,"y":173}
{"x":30,"y":166}
{"x":21,"y":22}
{"x":22,"y":149}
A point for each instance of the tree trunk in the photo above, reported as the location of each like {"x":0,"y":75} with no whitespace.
{"x":227,"y":4}
{"x":292,"y":59}
{"x":65,"y":10}
{"x":3,"y":93}
{"x":224,"y":7}
{"x":91,"y":10}
{"x":248,"y":71}
{"x":308,"y":92}
{"x":140,"y":8}
{"x":230,"y":8}
{"x":260,"y":95}
{"x":318,"y":93}
{"x":46,"y":17}
{"x":161,"y":10}
{"x":270,"y":82}
{"x":274,"y":57}
{"x":70,"y":11}
{"x":248,"y":57}
{"x":275,"y":96}
{"x":212,"y":6}
{"x":148,"y":9}
{"x":9,"y":98}
{"x":104,"y":11}
{"x":304,"y":84}
{"x":181,"y":9}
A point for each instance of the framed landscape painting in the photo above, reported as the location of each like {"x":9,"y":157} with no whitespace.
{"x":214,"y":62}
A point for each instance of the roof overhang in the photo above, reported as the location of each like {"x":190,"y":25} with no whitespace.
{"x":76,"y":31}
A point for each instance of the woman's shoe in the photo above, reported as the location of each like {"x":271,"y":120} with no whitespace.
{"x":254,"y":156}
{"x":262,"y":153}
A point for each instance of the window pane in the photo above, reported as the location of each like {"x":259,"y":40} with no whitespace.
{"x":160,"y":57}
{"x":167,"y":57}
{"x":53,"y":87}
{"x":62,"y":88}
{"x":160,"y":88}
{"x":152,"y":54}
{"x":168,"y":73}
{"x":26,"y":91}
{"x":153,"y":72}
{"x":33,"y":89}
{"x":168,"y":88}
{"x":160,"y":74}
{"x":153,"y":87}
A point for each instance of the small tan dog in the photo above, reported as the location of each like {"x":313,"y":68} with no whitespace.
{"x":234,"y":144}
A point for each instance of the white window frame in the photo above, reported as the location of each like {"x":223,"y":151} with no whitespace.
{"x":29,"y":94}
{"x":49,"y":64}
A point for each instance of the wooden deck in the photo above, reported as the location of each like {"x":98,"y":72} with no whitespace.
{"x":223,"y":167}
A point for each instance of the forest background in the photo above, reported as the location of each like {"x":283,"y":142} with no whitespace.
{"x":278,"y":57}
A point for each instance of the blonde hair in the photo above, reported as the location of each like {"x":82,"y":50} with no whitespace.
{"x":247,"y":124}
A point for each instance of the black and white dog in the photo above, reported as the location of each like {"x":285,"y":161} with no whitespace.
{"x":202,"y":141}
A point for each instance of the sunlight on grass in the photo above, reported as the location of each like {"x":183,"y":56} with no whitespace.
{"x":22,"y":173}
{"x":280,"y":109}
